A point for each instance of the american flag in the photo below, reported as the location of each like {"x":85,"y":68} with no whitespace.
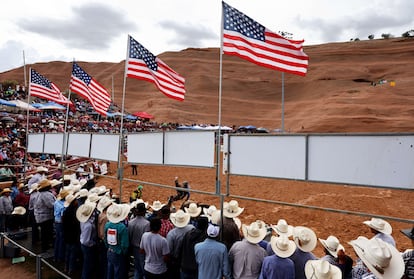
{"x":248,"y":39}
{"x":144,"y":65}
{"x":83,"y":84}
{"x":41,"y":87}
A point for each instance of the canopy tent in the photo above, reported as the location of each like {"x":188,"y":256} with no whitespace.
{"x":143,"y":114}
{"x":49,"y":105}
{"x":23,"y":105}
{"x":7,"y":103}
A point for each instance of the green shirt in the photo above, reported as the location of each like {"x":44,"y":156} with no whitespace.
{"x":116,"y":237}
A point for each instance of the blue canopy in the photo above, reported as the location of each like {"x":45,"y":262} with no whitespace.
{"x":7,"y":103}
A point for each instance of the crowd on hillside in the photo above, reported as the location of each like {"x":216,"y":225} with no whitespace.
{"x":90,"y":231}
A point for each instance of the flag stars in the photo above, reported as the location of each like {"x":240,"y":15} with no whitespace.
{"x":137,"y":51}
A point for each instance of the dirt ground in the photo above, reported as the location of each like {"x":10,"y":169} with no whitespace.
{"x":276,"y":199}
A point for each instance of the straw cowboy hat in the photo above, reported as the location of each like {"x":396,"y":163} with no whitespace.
{"x":62,"y":194}
{"x":99,"y":190}
{"x":282,"y":228}
{"x":103,"y":203}
{"x":55,"y":182}
{"x":93,"y":198}
{"x":379,"y":225}
{"x":282,"y":246}
{"x":83,"y":193}
{"x":255,"y":232}
{"x":156,"y":205}
{"x":69,"y":199}
{"x":21,"y":186}
{"x":209,"y":211}
{"x":193,"y":210}
{"x":45,"y":183}
{"x":332,"y":245}
{"x":84,"y":212}
{"x":33,"y":187}
{"x":5,"y":190}
{"x":381,"y":258}
{"x":304,"y":238}
{"x":41,"y":169}
{"x":76,"y":186}
{"x":321,"y":269}
{"x":19,"y":210}
{"x":180,"y":219}
{"x":231,"y":209}
{"x":117,"y":212}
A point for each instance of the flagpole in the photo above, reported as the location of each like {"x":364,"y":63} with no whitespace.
{"x":113,"y":91}
{"x":65,"y":137}
{"x":25,"y":168}
{"x":218,"y":182}
{"x":24,"y":70}
{"x":283,"y":103}
{"x":121,"y":140}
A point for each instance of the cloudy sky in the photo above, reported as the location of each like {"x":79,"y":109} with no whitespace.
{"x":97,"y":30}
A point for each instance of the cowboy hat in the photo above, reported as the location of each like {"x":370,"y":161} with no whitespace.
{"x":193,"y":210}
{"x":41,"y":169}
{"x":103,"y":203}
{"x":75,"y":184}
{"x":6,"y":190}
{"x":67,"y":177}
{"x":321,"y":269}
{"x":84,"y":212}
{"x":117,"y":212}
{"x":282,"y":227}
{"x":213,"y":230}
{"x":136,"y":202}
{"x":19,"y":210}
{"x":379,"y":225}
{"x":282,"y":246}
{"x":69,"y":199}
{"x":304,"y":238}
{"x":21,"y":186}
{"x":209,"y":211}
{"x":156,"y":205}
{"x":332,"y":245}
{"x":83,"y":193}
{"x":55,"y":182}
{"x":44,"y":184}
{"x":180,"y":219}
{"x":33,"y":187}
{"x":381,"y":258}
{"x":93,"y":198}
{"x":238,"y":222}
{"x":255,"y":232}
{"x":232,"y":209}
{"x":62,"y":194}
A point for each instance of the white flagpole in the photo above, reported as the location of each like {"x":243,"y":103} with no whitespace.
{"x":218,"y":182}
{"x":65,"y":137}
{"x":24,"y":70}
{"x":121,"y":136}
{"x":25,"y":167}
{"x":283,"y":103}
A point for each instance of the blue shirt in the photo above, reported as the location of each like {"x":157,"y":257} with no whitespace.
{"x":89,"y":235}
{"x":299,"y":259}
{"x":58,"y":210}
{"x":212,"y":260}
{"x":275,"y":267}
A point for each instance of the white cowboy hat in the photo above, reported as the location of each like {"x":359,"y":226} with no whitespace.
{"x":193,"y":210}
{"x":93,"y":198}
{"x":117,"y":212}
{"x":231,"y":209}
{"x":321,"y":269}
{"x":379,"y":225}
{"x":136,"y":202}
{"x":381,"y":258}
{"x":67,"y":177}
{"x":282,"y":246}
{"x":41,"y":169}
{"x":84,"y":212}
{"x":215,"y":218}
{"x":33,"y":187}
{"x":75,"y":184}
{"x":69,"y":199}
{"x":62,"y":194}
{"x":103,"y":203}
{"x":83,"y":193}
{"x":156,"y":205}
{"x":100,"y":190}
{"x":19,"y":210}
{"x":55,"y":182}
{"x":255,"y":232}
{"x":180,"y":219}
{"x":282,"y":227}
{"x":209,"y":211}
{"x":332,"y":245}
{"x":304,"y":238}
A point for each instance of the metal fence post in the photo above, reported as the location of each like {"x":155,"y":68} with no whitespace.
{"x":1,"y":245}
{"x":38,"y":267}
